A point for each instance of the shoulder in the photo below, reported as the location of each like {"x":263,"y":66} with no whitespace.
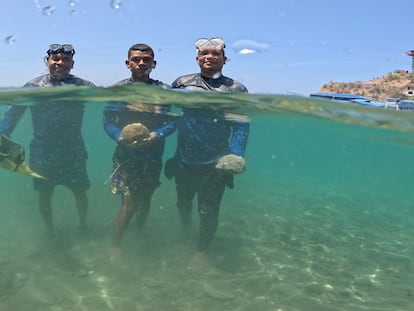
{"x":122,"y":82}
{"x":234,"y":85}
{"x":79,"y":81}
{"x":38,"y":81}
{"x":159,"y":83}
{"x":186,"y":80}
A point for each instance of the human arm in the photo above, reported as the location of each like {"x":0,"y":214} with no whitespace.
{"x":110,"y":121}
{"x":10,"y":119}
{"x":167,"y":123}
{"x":239,"y":137}
{"x":234,"y":162}
{"x":165,"y":130}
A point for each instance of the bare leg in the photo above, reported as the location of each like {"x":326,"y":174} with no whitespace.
{"x":45,"y":207}
{"x":143,"y":203}
{"x":128,"y":209}
{"x":197,"y":261}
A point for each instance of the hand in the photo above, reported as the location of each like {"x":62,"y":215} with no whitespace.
{"x":152,"y":136}
{"x":11,"y":150}
{"x":17,"y":155}
{"x":231,"y":163}
{"x":139,"y":144}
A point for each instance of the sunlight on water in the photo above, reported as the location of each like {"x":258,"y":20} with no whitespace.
{"x":321,"y":219}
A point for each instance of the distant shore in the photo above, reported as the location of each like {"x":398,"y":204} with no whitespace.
{"x":394,"y":84}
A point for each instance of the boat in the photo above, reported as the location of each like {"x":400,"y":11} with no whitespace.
{"x":346,"y":98}
{"x":406,"y":105}
{"x":369,"y":103}
{"x":391,"y":103}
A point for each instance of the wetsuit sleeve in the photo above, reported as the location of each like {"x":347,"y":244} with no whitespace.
{"x":109,"y":121}
{"x":176,"y":85}
{"x":168,"y":129}
{"x":239,"y":137}
{"x":10,"y":119}
{"x":169,"y":121}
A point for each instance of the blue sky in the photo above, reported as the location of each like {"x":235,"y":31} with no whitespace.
{"x":299,"y":44}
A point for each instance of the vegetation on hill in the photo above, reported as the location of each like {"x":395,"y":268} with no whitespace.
{"x":393,"y":84}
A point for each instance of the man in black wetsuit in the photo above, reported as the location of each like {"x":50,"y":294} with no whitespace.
{"x":204,"y":137}
{"x":57,"y":151}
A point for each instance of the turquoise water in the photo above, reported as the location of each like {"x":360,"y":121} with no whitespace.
{"x":321,"y":220}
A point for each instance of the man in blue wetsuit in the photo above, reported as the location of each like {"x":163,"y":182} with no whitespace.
{"x":57,"y":150}
{"x":137,"y":163}
{"x":204,"y":137}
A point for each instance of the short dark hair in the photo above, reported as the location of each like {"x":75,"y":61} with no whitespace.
{"x":141,"y":47}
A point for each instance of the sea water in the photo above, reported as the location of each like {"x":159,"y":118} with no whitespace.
{"x":321,"y":220}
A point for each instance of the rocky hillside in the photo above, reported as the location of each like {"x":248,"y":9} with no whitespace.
{"x":393,"y":84}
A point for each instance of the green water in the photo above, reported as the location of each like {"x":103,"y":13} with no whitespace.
{"x":321,"y":220}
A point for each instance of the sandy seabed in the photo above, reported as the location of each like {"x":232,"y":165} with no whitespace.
{"x":282,"y":252}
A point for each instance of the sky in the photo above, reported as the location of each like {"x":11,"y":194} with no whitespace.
{"x":273,"y":46}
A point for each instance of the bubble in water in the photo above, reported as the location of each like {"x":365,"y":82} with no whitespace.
{"x":48,"y":10}
{"x":116,"y":4}
{"x":37,"y":5}
{"x":72,"y":4}
{"x":10,"y":39}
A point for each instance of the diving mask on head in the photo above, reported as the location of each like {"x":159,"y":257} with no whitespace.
{"x":61,"y":48}
{"x":214,"y":42}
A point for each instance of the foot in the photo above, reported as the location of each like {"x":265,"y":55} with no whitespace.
{"x":197,"y":261}
{"x":116,"y":255}
{"x":186,"y":232}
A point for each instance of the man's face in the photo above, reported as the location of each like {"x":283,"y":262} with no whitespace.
{"x":211,"y":60}
{"x":60,"y":65}
{"x":140,"y":63}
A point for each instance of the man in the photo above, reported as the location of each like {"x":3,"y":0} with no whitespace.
{"x":139,"y":130}
{"x":57,"y":151}
{"x":205,"y":137}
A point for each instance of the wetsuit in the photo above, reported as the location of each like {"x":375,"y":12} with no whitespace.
{"x":203,"y":136}
{"x":138,"y":171}
{"x":57,"y":150}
